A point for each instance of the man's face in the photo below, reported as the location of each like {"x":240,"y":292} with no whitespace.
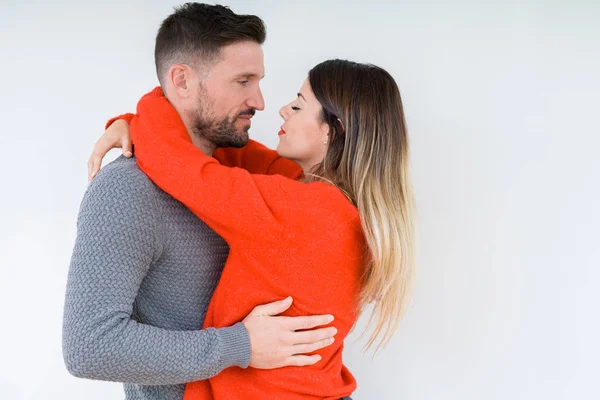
{"x":229,"y":95}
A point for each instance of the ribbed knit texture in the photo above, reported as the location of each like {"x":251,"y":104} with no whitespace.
{"x":141,"y":276}
{"x":285,"y":238}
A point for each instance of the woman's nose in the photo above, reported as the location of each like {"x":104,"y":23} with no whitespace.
{"x":283,"y":112}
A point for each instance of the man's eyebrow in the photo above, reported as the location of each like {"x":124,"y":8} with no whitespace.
{"x":300,"y":95}
{"x":249,"y":75}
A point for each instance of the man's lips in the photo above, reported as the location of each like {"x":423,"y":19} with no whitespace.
{"x":245,"y":119}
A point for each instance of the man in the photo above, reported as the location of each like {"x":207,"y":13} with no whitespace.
{"x":144,"y":267}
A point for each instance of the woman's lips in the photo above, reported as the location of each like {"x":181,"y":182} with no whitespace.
{"x":281,"y":132}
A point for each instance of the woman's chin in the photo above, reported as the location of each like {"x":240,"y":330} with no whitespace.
{"x":281,"y":150}
{"x":285,"y":154}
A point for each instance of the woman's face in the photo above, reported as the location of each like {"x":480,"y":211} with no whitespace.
{"x":303,"y":136}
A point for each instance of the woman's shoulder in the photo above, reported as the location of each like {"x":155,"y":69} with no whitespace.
{"x":309,"y":200}
{"x":326,"y":199}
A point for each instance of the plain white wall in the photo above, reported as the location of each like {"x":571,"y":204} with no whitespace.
{"x":502,"y":105}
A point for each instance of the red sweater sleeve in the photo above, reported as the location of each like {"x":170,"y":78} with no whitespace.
{"x":255,"y":157}
{"x":237,"y":205}
{"x":127,"y":117}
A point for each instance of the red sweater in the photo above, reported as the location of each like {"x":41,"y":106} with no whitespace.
{"x":285,"y":238}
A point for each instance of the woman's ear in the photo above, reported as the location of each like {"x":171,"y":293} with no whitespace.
{"x":325,"y":130}
{"x":340,"y":125}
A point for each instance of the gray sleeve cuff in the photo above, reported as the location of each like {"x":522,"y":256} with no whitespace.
{"x":235,"y":346}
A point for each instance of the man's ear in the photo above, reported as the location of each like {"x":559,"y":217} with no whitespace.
{"x":182,"y":78}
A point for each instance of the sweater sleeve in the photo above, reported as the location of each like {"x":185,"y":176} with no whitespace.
{"x":255,"y":157}
{"x":118,"y":238}
{"x":240,"y":207}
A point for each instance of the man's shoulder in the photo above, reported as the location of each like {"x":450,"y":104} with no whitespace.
{"x":120,"y":168}
{"x":123,"y":182}
{"x":124,"y":173}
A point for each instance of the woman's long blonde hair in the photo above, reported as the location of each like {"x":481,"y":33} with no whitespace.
{"x":367,"y":159}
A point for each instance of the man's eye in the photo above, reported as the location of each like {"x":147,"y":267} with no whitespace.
{"x":295,"y":108}
{"x":242,"y":82}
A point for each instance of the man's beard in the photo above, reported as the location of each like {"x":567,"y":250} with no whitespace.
{"x":221,"y":133}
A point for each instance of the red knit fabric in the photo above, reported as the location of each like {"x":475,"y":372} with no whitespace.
{"x":286,"y":238}
{"x":255,"y":157}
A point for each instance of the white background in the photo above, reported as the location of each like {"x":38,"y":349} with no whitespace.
{"x":501,"y":99}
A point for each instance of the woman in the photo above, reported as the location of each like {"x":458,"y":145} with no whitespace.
{"x":337,"y":240}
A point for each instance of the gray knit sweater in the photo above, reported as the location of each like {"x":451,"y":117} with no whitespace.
{"x":141,"y":276}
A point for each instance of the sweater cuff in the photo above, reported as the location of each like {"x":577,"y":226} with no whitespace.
{"x":127,"y":117}
{"x":235,"y":346}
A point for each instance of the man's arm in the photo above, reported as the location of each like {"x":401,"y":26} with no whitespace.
{"x":118,"y":238}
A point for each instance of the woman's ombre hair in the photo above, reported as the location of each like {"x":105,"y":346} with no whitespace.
{"x":367,"y":159}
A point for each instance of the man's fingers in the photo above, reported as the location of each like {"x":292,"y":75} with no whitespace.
{"x":309,"y":348}
{"x":309,"y":322}
{"x":301,"y":360}
{"x":309,"y":337}
{"x":275,"y":308}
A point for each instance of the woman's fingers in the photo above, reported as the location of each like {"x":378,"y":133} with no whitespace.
{"x":90,"y":164}
{"x":101,"y":147}
{"x":94,"y":165}
{"x":126,"y":146}
{"x":116,"y":135}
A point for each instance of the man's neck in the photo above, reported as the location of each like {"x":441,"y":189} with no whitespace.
{"x":203,"y":144}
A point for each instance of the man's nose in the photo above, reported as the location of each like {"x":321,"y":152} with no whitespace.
{"x":256,"y":101}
